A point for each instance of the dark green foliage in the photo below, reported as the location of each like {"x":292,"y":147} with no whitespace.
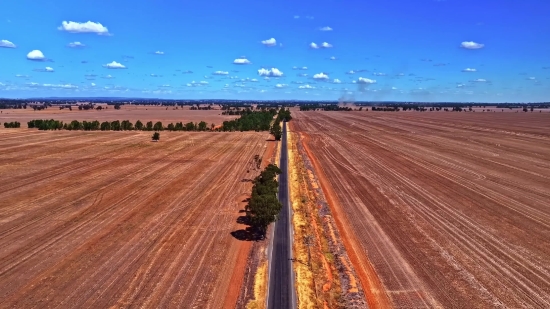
{"x":126,"y":125}
{"x":105,"y":126}
{"x":139,"y":125}
{"x":276,"y":131}
{"x":250,"y":121}
{"x":117,"y":106}
{"x":14,"y":124}
{"x":158,"y":126}
{"x":156,"y":136}
{"x":263,"y":206}
{"x":115,"y":125}
{"x":203,"y":126}
{"x":150,"y":126}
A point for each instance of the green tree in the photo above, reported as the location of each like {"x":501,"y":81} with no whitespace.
{"x":156,"y":136}
{"x":263,"y":207}
{"x":158,"y":126}
{"x":202,"y":126}
{"x":150,"y":126}
{"x":276,"y":131}
{"x":139,"y":125}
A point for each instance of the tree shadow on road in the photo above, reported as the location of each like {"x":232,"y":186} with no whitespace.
{"x":249,"y":233}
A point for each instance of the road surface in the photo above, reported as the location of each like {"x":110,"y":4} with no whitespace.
{"x":281,"y":278}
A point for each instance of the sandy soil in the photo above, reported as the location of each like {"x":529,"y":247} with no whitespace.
{"x":101,"y":219}
{"x":133,"y":113}
{"x":450,"y":209}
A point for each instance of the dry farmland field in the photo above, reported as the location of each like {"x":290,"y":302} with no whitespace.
{"x":439,"y":209}
{"x":101,"y":219}
{"x":166,"y":114}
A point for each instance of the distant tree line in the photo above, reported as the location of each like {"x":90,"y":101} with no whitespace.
{"x":116,"y":125}
{"x":263,"y":207}
{"x":14,"y":124}
{"x":251,"y":121}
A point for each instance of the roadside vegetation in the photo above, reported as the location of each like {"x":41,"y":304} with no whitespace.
{"x":14,"y":124}
{"x":264,"y":207}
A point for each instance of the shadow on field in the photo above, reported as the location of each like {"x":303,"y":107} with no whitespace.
{"x":249,"y":233}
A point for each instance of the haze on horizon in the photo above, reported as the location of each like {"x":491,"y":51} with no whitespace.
{"x":423,"y":50}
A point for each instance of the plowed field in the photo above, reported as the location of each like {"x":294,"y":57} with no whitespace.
{"x":101,"y":219}
{"x":450,"y":209}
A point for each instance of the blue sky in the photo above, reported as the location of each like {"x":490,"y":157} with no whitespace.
{"x":415,"y":50}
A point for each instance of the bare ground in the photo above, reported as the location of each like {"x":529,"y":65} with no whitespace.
{"x":101,"y":219}
{"x":450,"y":209}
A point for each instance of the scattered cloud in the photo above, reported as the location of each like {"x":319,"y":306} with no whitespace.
{"x":320,"y":76}
{"x":270,"y":42}
{"x":36,"y":55}
{"x":362,"y":80}
{"x":158,"y":52}
{"x":350,"y":72}
{"x":469,"y":70}
{"x":274,"y":72}
{"x":460,"y":85}
{"x":165,"y":86}
{"x":114,"y":65}
{"x":336,"y":81}
{"x":76,"y":45}
{"x":313,"y":45}
{"x":326,"y":45}
{"x":48,"y":69}
{"x":306,"y":87}
{"x":63,"y":86}
{"x":379,"y":74}
{"x":393,"y":88}
{"x":220,"y":73}
{"x":7,"y":44}
{"x":480,"y":80}
{"x":92,"y":84}
{"x":296,"y":16}
{"x":302,"y":74}
{"x":241,"y":61}
{"x":471,"y":45}
{"x":21,"y":76}
{"x":531,"y":78}
{"x":327,"y":28}
{"x":281,"y":85}
{"x":87,"y":27}
{"x":108,"y":76}
{"x":332,"y":58}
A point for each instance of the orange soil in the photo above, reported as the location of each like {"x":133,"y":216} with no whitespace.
{"x":237,"y":278}
{"x":101,"y":219}
{"x":127,"y":112}
{"x":450,"y":209}
{"x":374,"y":291}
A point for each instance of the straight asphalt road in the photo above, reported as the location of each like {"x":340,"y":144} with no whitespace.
{"x":281,"y":278}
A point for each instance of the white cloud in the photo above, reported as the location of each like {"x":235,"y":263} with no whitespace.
{"x":158,"y":52}
{"x":469,"y":70}
{"x":7,"y":44}
{"x":280,"y":85}
{"x":64,"y":86}
{"x":202,"y":82}
{"x":327,"y":28}
{"x":114,"y":65}
{"x":36,"y":55}
{"x":350,"y":72}
{"x":336,"y":81}
{"x":296,"y":16}
{"x":220,"y":73}
{"x":471,"y":45}
{"x":165,"y":86}
{"x":362,"y":80}
{"x":326,"y":45}
{"x":241,"y":61}
{"x":306,"y":87}
{"x":394,"y":88}
{"x":379,"y":74}
{"x":480,"y":80}
{"x":531,"y":78}
{"x":274,"y":72}
{"x":320,"y":76}
{"x":253,"y":80}
{"x":87,"y":27}
{"x":76,"y":44}
{"x":459,"y":85}
{"x":332,"y":58}
{"x":21,"y":75}
{"x":48,"y":69}
{"x":92,"y":84}
{"x":313,"y":45}
{"x":270,"y":42}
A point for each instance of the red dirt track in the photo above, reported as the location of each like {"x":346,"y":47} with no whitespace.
{"x":450,"y":209}
{"x":111,"y":219}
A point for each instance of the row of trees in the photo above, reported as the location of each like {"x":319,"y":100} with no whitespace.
{"x":13,"y":124}
{"x":251,"y":121}
{"x":263,"y":206}
{"x":116,"y":125}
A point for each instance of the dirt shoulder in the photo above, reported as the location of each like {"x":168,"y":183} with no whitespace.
{"x":331,"y":280}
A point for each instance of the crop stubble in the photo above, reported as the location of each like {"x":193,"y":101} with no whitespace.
{"x":99,"y":219}
{"x":451,"y":209}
